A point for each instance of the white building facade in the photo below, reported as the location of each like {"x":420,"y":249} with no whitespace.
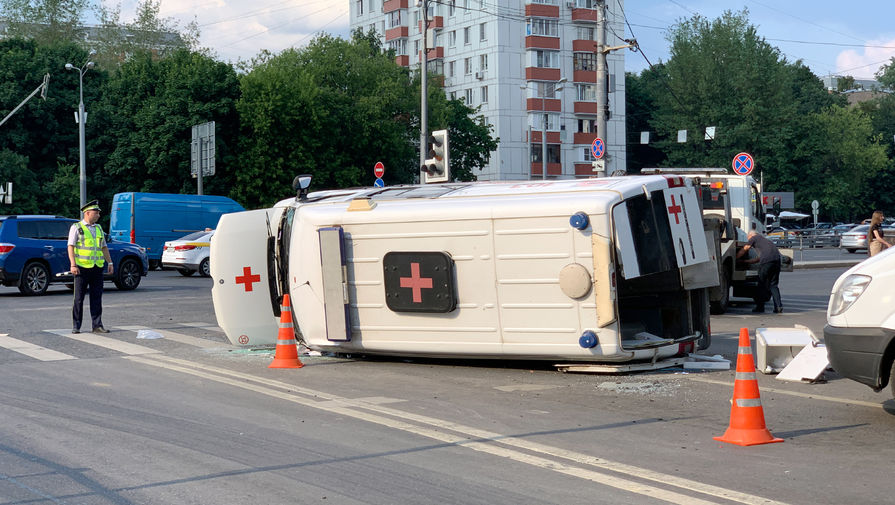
{"x":525,"y":63}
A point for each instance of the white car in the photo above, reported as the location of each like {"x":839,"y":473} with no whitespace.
{"x":189,"y":254}
{"x":860,"y":330}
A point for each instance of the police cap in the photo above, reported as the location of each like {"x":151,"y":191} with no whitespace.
{"x":94,"y":205}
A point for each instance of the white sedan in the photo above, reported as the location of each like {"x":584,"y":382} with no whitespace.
{"x":189,"y":254}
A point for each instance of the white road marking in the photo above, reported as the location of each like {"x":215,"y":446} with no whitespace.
{"x":472,"y":438}
{"x":180,"y":337}
{"x":31,"y":350}
{"x":108,"y":343}
{"x":810,"y":396}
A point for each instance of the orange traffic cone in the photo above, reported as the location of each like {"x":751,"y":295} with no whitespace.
{"x":286,"y":355}
{"x":747,"y":425}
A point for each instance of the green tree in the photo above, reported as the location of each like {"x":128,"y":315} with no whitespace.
{"x":147,"y":112}
{"x":25,"y":188}
{"x":845,"y":83}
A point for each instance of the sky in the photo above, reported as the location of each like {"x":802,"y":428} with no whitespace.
{"x":830,"y":37}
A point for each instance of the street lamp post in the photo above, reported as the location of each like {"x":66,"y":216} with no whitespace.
{"x":82,"y":122}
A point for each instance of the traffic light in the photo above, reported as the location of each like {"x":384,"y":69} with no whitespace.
{"x":436,"y":167}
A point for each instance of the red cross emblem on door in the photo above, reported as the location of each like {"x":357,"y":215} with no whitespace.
{"x":416,"y":283}
{"x":248,"y":278}
{"x":675,"y":209}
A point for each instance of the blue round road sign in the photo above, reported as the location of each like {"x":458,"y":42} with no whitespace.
{"x":598,"y":148}
{"x":379,"y":183}
{"x":743,"y":164}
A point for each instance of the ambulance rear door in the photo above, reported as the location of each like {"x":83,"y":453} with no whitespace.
{"x":245,"y":294}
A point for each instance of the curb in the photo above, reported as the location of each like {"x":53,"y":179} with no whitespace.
{"x":799,"y":265}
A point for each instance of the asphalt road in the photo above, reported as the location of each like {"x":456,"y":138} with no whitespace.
{"x":189,"y":419}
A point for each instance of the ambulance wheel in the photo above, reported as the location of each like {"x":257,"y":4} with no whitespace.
{"x":186,"y":272}
{"x":892,"y":379}
{"x":35,"y":279}
{"x":204,"y":268}
{"x":128,"y":275}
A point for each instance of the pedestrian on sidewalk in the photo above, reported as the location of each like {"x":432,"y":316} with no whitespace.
{"x":88,"y":255}
{"x":768,"y":260}
{"x":876,"y":240}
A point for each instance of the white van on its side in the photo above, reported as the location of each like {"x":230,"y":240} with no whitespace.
{"x":860,"y":330}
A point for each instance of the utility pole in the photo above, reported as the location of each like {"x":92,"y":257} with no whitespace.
{"x":424,"y":92}
{"x":602,"y":77}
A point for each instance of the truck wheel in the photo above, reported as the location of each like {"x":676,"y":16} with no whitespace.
{"x":186,"y":272}
{"x":204,"y":268}
{"x":128,"y":275}
{"x":849,"y":250}
{"x":720,"y":306}
{"x":35,"y":279}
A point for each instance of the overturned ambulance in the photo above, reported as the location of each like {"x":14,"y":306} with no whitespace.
{"x":595,"y":270}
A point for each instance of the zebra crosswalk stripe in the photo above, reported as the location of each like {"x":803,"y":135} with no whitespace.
{"x":108,"y":343}
{"x":31,"y":350}
{"x":179,"y":337}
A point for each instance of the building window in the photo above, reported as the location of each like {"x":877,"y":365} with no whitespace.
{"x":484,"y":94}
{"x":536,"y":121}
{"x":545,"y":59}
{"x":435,"y":66}
{"x":399,"y":46}
{"x":587,"y":125}
{"x":416,"y":48}
{"x":372,"y":6}
{"x":452,"y":7}
{"x":585,"y":61}
{"x":467,"y":68}
{"x":483,"y":62}
{"x":586,"y":92}
{"x":553,"y":153}
{"x":451,"y":68}
{"x":453,"y":95}
{"x":587,"y":154}
{"x":469,"y":96}
{"x":585,"y":4}
{"x":545,"y":2}
{"x":482,"y":35}
{"x":395,"y":18}
{"x":584,"y":33}
{"x":452,"y":38}
{"x":466,"y":36}
{"x":360,"y":7}
{"x":545,"y":90}
{"x":546,"y":27}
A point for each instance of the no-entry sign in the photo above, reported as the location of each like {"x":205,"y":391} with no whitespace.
{"x":378,"y":169}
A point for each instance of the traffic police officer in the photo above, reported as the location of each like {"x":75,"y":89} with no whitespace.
{"x":88,"y":254}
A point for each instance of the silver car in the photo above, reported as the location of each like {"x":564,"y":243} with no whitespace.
{"x":856,"y":238}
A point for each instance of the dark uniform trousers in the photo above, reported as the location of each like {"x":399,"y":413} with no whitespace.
{"x":768,"y":279}
{"x":90,"y":279}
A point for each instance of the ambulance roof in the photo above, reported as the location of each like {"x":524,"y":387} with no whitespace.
{"x":623,"y":186}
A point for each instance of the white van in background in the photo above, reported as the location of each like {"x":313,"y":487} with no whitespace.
{"x":860,"y":330}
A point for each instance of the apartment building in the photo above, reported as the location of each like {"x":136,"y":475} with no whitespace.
{"x":529,"y":64}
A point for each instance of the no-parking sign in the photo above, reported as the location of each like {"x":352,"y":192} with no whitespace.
{"x":743,"y":164}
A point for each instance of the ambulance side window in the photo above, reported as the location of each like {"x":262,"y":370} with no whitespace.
{"x":652,"y":233}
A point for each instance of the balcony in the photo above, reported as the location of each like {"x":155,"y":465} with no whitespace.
{"x":541,"y":42}
{"x":552,"y":169}
{"x":584,"y":15}
{"x":585,"y":107}
{"x":584,"y":138}
{"x":548,"y":104}
{"x":393,"y":5}
{"x":541,"y":11}
{"x":584,"y":169}
{"x":403,"y":60}
{"x":552,"y":138}
{"x":432,"y":54}
{"x":542,"y":74}
{"x":396,"y":33}
{"x":584,"y":46}
{"x":584,"y":76}
{"x":436,"y":22}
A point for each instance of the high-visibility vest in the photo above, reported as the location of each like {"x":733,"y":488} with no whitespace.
{"x":89,"y":248}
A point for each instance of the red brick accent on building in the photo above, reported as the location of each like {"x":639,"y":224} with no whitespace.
{"x":404,"y":60}
{"x":395,"y":33}
{"x":585,"y":107}
{"x":584,"y":76}
{"x":584,"y":46}
{"x":542,"y":74}
{"x":550,"y":104}
{"x":541,"y":11}
{"x":552,"y":137}
{"x":584,"y":138}
{"x":540,"y":42}
{"x":436,"y":22}
{"x":393,"y":5}
{"x":552,"y":169}
{"x":434,"y":53}
{"x":584,"y":15}
{"x":585,"y":169}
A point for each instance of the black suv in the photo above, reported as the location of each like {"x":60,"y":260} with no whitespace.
{"x":34,"y":254}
